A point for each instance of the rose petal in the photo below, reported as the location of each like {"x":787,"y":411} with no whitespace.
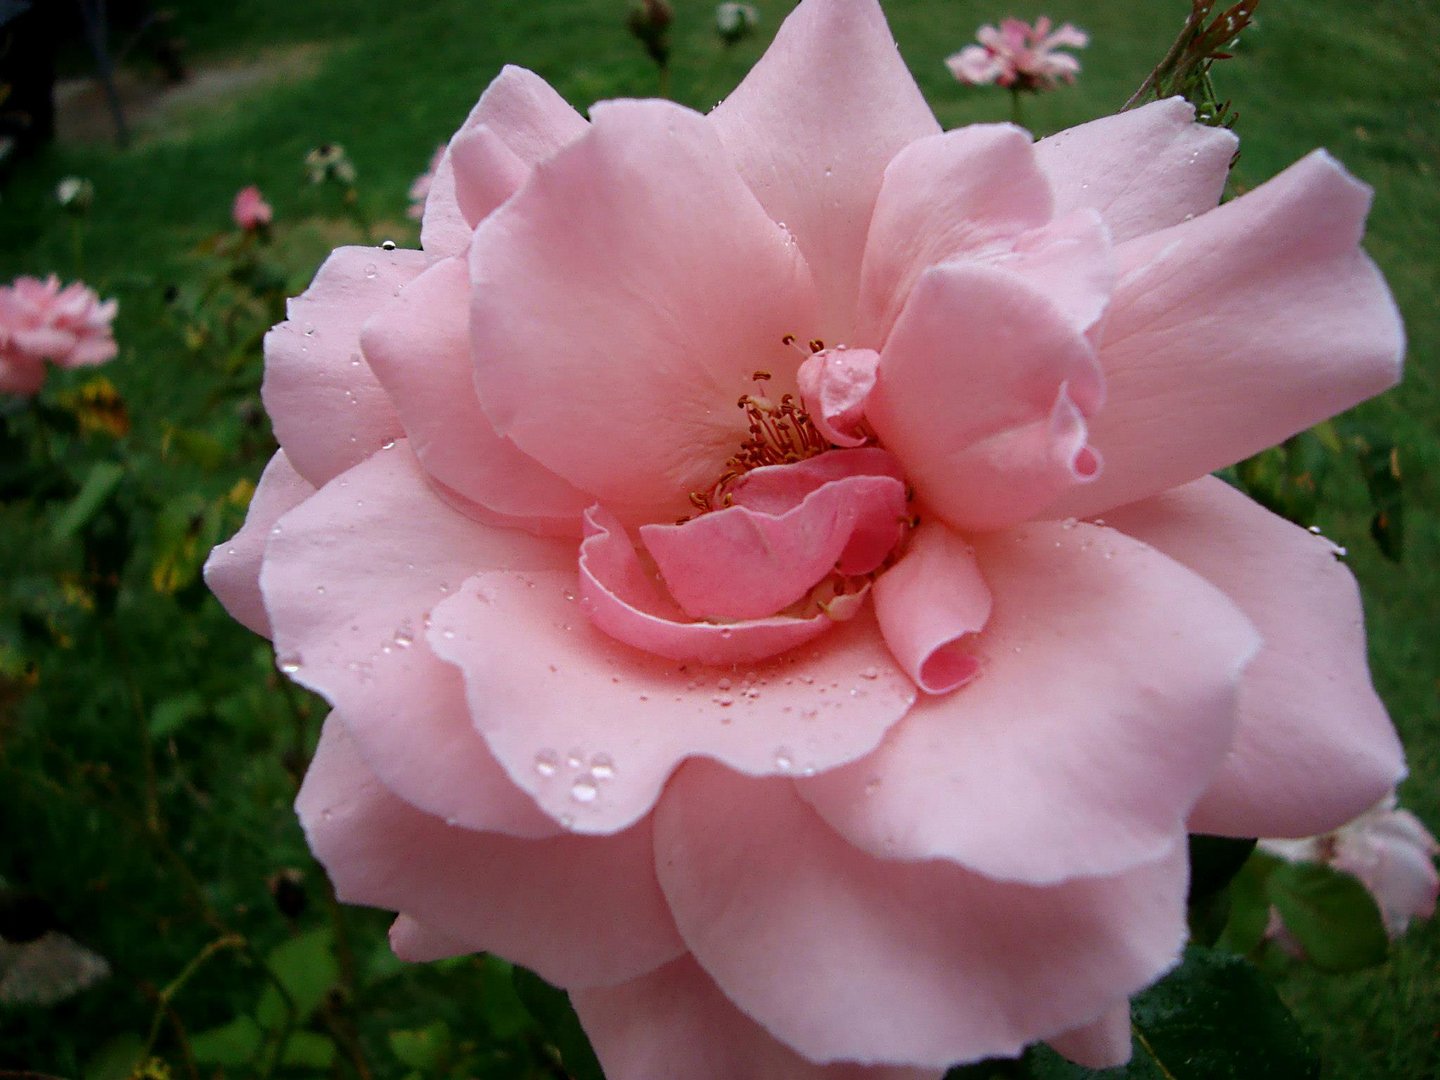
{"x":350,"y":578}
{"x":641,"y":1029}
{"x":967,"y":194}
{"x":740,"y":563}
{"x":927,"y":603}
{"x":1069,"y":260}
{"x":416,"y":943}
{"x":782,"y":913}
{"x":835,"y":384}
{"x":592,"y":728}
{"x":812,"y":128}
{"x":530,"y":118}
{"x":487,"y":171}
{"x":1104,"y":705}
{"x":419,"y":347}
{"x":233,"y":569}
{"x":328,"y":410}
{"x":624,"y":601}
{"x":623,"y":299}
{"x":1101,"y":1044}
{"x":1307,"y":708}
{"x":985,"y":419}
{"x":1232,"y":332}
{"x":777,"y":488}
{"x":1144,"y":169}
{"x":580,"y":911}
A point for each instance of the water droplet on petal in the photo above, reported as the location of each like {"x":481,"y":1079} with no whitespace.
{"x":584,"y":791}
{"x":371,"y":270}
{"x":545,"y":763}
{"x":870,"y":673}
{"x":388,"y":245}
{"x":783,"y":760}
{"x":404,"y":638}
{"x":290,"y":664}
{"x":601,"y":767}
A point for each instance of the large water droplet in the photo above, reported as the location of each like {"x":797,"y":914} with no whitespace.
{"x":584,"y":791}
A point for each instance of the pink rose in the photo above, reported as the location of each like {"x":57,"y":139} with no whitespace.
{"x":887,"y":752}
{"x":1020,"y":55}
{"x":251,"y":212}
{"x":420,"y":189}
{"x":40,"y":321}
{"x":1389,"y":850}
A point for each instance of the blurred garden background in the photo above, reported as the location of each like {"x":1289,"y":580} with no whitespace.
{"x":149,"y":750}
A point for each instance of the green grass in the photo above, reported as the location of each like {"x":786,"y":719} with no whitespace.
{"x":389,"y":85}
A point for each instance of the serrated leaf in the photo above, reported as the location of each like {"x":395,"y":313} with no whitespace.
{"x":99,"y":484}
{"x":233,"y":1044}
{"x":421,"y":1049}
{"x":307,"y":968}
{"x":1213,"y":1018}
{"x":551,"y":1007}
{"x":1331,"y":914}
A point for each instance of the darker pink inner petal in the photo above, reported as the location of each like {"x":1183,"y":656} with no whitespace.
{"x":746,"y":562}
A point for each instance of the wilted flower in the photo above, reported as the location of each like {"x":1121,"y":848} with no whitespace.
{"x":735,"y":22}
{"x":1388,"y":849}
{"x":885,"y":749}
{"x":1020,"y":55}
{"x":75,"y":194}
{"x":40,"y":321}
{"x":251,"y":212}
{"x":329,"y":161}
{"x":420,"y":189}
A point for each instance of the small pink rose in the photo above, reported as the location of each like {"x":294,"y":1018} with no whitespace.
{"x":780,"y":752}
{"x":40,"y":321}
{"x":420,"y":188}
{"x":251,"y":212}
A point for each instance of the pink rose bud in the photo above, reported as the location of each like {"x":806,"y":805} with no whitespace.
{"x":251,"y":212}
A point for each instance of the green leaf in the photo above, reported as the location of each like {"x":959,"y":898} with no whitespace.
{"x":1331,"y":914}
{"x":504,"y":1011}
{"x":1213,"y":1018}
{"x":99,"y":484}
{"x":233,"y":1044}
{"x":306,"y":967}
{"x":422,"y":1049}
{"x":307,"y":1050}
{"x":551,"y":1007}
{"x":116,"y":1059}
{"x":1249,"y":912}
{"x":173,"y":713}
{"x":1214,"y":861}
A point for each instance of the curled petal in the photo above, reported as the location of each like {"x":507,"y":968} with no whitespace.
{"x":581,"y":911}
{"x":811,"y":129}
{"x":328,"y":410}
{"x":592,"y":728}
{"x":233,"y":569}
{"x":1104,"y":705}
{"x":350,"y":579}
{"x":835,"y":383}
{"x":740,"y":563}
{"x":1071,"y":262}
{"x":781,"y":911}
{"x":1144,"y":169}
{"x":927,"y":603}
{"x":418,"y":343}
{"x":1307,"y":708}
{"x":626,"y":603}
{"x":1294,"y":324}
{"x":989,"y":422}
{"x":965,"y":195}
{"x":676,"y":1013}
{"x":487,"y":171}
{"x":533,"y":122}
{"x":775,"y":489}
